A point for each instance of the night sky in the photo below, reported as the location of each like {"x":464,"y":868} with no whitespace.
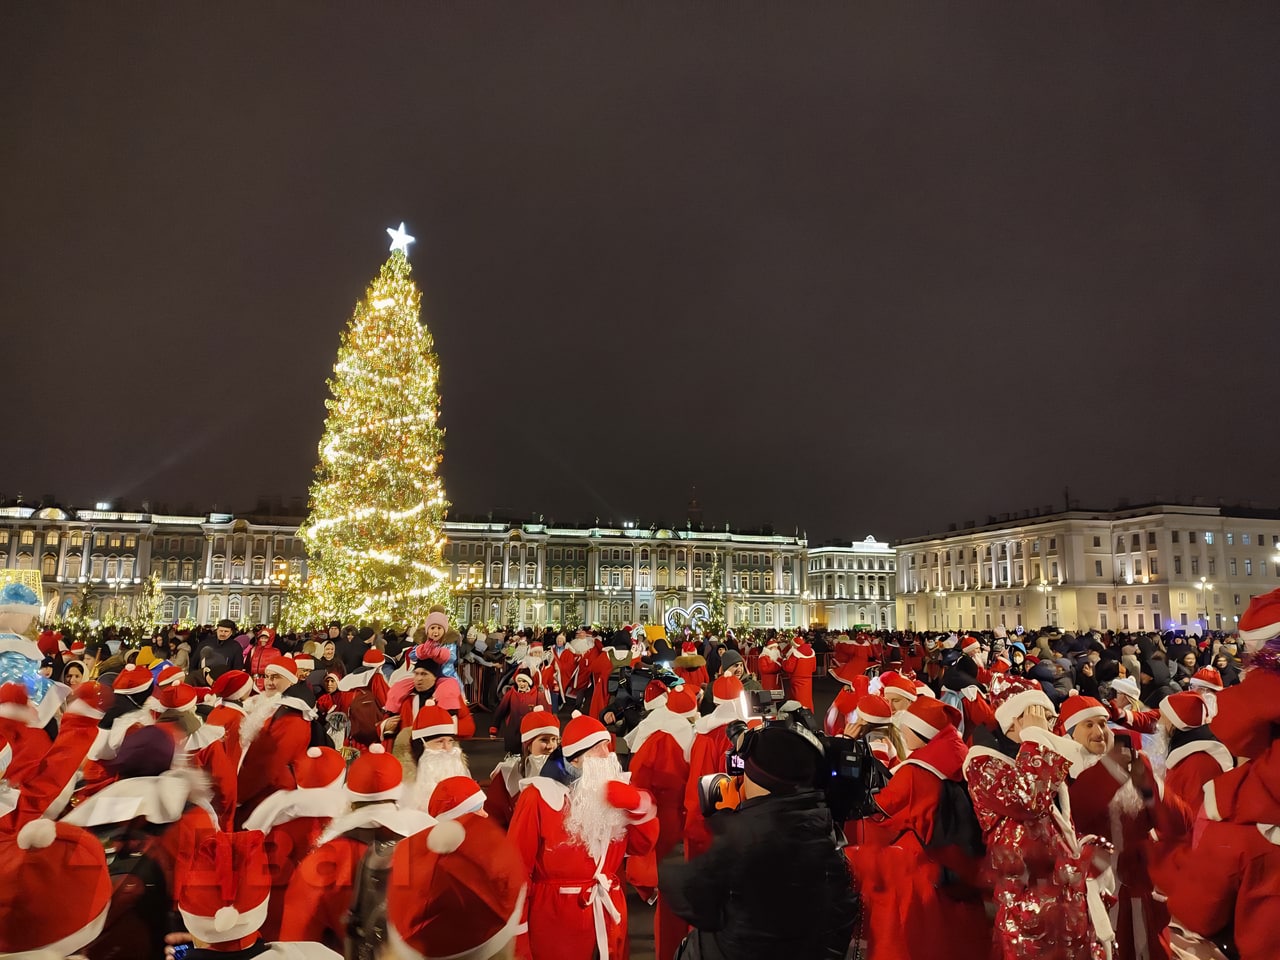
{"x":856,"y":269}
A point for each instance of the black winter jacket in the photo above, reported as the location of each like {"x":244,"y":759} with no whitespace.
{"x":772,"y":885}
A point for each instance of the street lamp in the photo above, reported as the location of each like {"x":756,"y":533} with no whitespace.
{"x":1204,"y":586}
{"x":1046,"y":588}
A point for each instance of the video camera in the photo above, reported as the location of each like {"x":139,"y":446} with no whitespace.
{"x":848,"y":775}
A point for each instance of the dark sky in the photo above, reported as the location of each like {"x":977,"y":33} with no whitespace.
{"x":862,"y":268}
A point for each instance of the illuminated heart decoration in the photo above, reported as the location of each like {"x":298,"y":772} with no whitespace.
{"x":694,"y":616}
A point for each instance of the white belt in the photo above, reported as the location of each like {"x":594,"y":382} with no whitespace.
{"x":601,"y":902}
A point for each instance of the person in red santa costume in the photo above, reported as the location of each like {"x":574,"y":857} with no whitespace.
{"x":1127,"y":709}
{"x":1248,"y":793}
{"x":223,"y":900}
{"x":799,"y":665}
{"x":20,"y":726}
{"x":1114,"y":798}
{"x":573,"y":830}
{"x":458,"y":890}
{"x":201,"y":745}
{"x":46,"y":787}
{"x":769,"y":665}
{"x":874,"y":720}
{"x":907,"y":895}
{"x":293,"y":820}
{"x":522,"y":696}
{"x":1222,"y":887}
{"x":606,"y":659}
{"x":361,"y":695}
{"x":228,"y":696}
{"x":539,"y":737}
{"x":691,"y":665}
{"x":854,"y":685}
{"x":129,"y":710}
{"x":660,"y":748}
{"x":55,"y":891}
{"x":1185,"y":754}
{"x":1047,"y":905}
{"x":322,"y":888}
{"x":707,"y":755}
{"x":437,"y":751}
{"x":275,"y":735}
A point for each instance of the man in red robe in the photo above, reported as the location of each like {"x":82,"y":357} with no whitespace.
{"x":769,"y":665}
{"x":1186,"y":753}
{"x":275,"y":736}
{"x":799,"y":665}
{"x":901,"y":876}
{"x":660,"y":747}
{"x":229,"y":693}
{"x":573,"y":837}
{"x":707,"y":755}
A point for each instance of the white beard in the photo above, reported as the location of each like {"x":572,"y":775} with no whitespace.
{"x":592,"y":821}
{"x":1157,"y":749}
{"x":257,"y":712}
{"x":434,"y":766}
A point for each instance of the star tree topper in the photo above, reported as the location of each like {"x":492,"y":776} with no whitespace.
{"x":400,"y":239}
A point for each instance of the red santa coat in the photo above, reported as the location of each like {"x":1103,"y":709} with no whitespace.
{"x":899,"y":877}
{"x":1229,"y":874}
{"x":1188,"y":768}
{"x":323,"y":885}
{"x":601,"y":668}
{"x":705,"y":756}
{"x":46,"y":786}
{"x":769,"y":667}
{"x":512,"y":710}
{"x":693,"y":668}
{"x":1248,"y":714}
{"x":660,"y":765}
{"x":29,"y":745}
{"x":501,"y":791}
{"x":270,"y":758}
{"x":293,"y":821}
{"x":1096,"y":809}
{"x":799,"y":666}
{"x":574,"y":901}
{"x":1039,"y":867}
{"x":228,"y":716}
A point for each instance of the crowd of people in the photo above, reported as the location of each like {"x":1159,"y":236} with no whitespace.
{"x":1048,"y":795}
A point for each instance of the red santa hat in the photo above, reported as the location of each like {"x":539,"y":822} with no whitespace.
{"x":132,"y":680}
{"x":688,"y":647}
{"x":1261,"y":621}
{"x":178,"y":697}
{"x":372,"y":658}
{"x":581,"y":734}
{"x":874,"y":710}
{"x":1186,"y":711}
{"x":896,"y":683}
{"x":78,"y":648}
{"x":848,"y":674}
{"x":90,"y":699}
{"x":169,"y":676}
{"x":321,"y":767}
{"x":54,"y":890}
{"x":456,"y":892}
{"x":233,"y":685}
{"x":433,"y":721}
{"x":455,"y":796}
{"x":970,"y":645}
{"x":304,"y":661}
{"x":375,"y":775}
{"x":535,"y":646}
{"x":1077,"y":709}
{"x":1207,"y":678}
{"x":655,"y":694}
{"x":15,"y":704}
{"x":1011,"y":695}
{"x":49,"y":642}
{"x":927,"y":718}
{"x":284,"y":667}
{"x":436,"y":618}
{"x":223,"y":889}
{"x":726,"y":689}
{"x":681,"y":704}
{"x":537,"y":722}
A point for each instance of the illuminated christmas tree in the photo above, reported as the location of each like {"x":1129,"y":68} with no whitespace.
{"x":375,"y":533}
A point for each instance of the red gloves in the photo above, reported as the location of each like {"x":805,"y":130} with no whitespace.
{"x":623,"y":796}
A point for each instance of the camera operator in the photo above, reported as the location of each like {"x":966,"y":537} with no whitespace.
{"x":773,"y":882}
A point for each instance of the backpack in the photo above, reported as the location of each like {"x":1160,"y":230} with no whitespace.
{"x":366,"y":919}
{"x":139,"y":915}
{"x":366,"y":718}
{"x":957,"y":845}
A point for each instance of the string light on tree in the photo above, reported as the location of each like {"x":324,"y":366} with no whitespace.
{"x":374,"y":535}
